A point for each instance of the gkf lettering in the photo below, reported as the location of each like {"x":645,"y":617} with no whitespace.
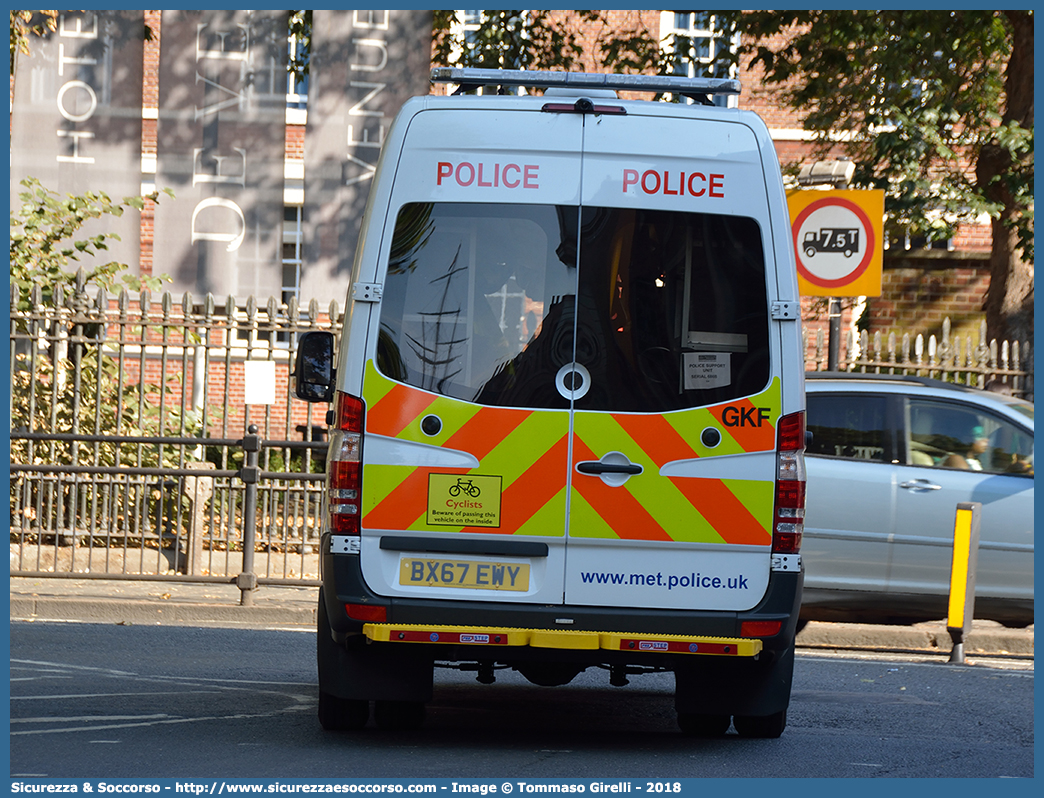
{"x":744,"y":416}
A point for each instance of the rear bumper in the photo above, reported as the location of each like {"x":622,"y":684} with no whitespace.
{"x":343,"y":584}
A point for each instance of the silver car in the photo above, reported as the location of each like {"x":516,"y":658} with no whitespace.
{"x":888,"y":461}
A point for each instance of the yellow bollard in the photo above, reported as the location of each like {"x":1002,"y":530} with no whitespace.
{"x":962,"y":576}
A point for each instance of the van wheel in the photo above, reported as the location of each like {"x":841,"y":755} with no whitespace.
{"x":766,"y":726}
{"x":695,"y":724}
{"x":398,"y":714}
{"x":342,"y":714}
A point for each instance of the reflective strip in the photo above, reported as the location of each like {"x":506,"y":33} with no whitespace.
{"x":735,"y":511}
{"x":394,"y":411}
{"x":683,"y":644}
{"x":456,"y":635}
{"x":564,"y":639}
{"x":617,"y":508}
{"x":750,"y":438}
{"x":526,"y":448}
{"x":660,"y":508}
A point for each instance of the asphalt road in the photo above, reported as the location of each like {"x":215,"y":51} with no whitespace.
{"x":121,"y":701}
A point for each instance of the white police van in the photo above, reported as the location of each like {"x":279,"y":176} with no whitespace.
{"x":568,"y":404}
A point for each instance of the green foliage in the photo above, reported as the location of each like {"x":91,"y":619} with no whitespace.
{"x":301,"y":30}
{"x":513,"y":40}
{"x":39,"y":23}
{"x":26,"y":23}
{"x":43,"y":241}
{"x":922,"y":95}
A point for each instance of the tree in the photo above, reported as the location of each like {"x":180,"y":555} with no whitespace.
{"x":512,"y":39}
{"x":24,"y":23}
{"x":42,"y":240}
{"x":39,"y":23}
{"x":938,"y":106}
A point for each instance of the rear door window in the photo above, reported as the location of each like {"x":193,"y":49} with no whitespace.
{"x":673,"y":309}
{"x":472,"y":292}
{"x":483,"y":302}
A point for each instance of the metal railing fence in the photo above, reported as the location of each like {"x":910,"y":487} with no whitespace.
{"x":160,"y":440}
{"x":1007,"y":366}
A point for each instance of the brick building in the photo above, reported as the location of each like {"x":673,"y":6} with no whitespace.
{"x":921,"y":287}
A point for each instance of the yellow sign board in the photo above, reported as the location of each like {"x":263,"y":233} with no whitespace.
{"x":471,"y":500}
{"x":838,"y":241}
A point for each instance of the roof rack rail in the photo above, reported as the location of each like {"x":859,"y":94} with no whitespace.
{"x":868,"y":376}
{"x":474,"y":78}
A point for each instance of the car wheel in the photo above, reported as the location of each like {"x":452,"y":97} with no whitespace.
{"x":398,"y":714}
{"x":696,"y":724}
{"x":342,"y":714}
{"x":769,"y":726}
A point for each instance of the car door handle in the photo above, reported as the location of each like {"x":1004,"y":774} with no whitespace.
{"x":598,"y":467}
{"x":920,"y":484}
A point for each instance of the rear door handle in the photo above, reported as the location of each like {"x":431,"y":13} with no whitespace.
{"x":598,"y":467}
{"x":920,"y":484}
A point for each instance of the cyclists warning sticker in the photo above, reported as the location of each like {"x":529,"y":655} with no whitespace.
{"x":837,"y":241}
{"x":455,"y":500}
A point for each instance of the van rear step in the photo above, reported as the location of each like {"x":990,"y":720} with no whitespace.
{"x":563,"y":639}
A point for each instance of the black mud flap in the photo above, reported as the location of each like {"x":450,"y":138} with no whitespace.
{"x":369,"y":671}
{"x":728,"y":686}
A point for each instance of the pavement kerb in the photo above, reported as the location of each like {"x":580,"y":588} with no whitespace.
{"x":158,"y":603}
{"x":90,"y":610}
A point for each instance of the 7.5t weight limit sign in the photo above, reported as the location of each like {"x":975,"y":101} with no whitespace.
{"x":837,"y":241}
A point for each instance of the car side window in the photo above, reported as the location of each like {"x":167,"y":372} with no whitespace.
{"x":959,"y":436}
{"x":851,"y":426}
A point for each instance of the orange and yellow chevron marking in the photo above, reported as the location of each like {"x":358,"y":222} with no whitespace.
{"x":717,"y":503}
{"x":749,"y":438}
{"x":534,"y":503}
{"x":725,"y":511}
{"x":658,"y":439}
{"x":618,"y":509}
{"x":648,"y":507}
{"x":394,"y":411}
{"x":526,"y":449}
{"x":486,"y":430}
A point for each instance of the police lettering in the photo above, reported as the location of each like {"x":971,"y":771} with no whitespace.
{"x":693,"y":184}
{"x":744,"y":416}
{"x":488,"y":175}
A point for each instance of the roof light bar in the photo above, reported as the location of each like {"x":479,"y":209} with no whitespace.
{"x":588,"y":80}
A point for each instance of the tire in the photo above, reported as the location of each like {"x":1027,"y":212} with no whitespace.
{"x":767,"y":726}
{"x":695,"y":724}
{"x":342,"y":714}
{"x":398,"y":715}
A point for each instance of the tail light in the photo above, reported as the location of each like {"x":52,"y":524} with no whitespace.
{"x":344,"y":466}
{"x":789,"y":516}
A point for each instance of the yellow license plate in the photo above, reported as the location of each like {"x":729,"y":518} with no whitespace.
{"x":477,"y":575}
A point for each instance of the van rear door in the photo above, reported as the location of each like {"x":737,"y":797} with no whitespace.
{"x":466,"y":436}
{"x":673,"y":446}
